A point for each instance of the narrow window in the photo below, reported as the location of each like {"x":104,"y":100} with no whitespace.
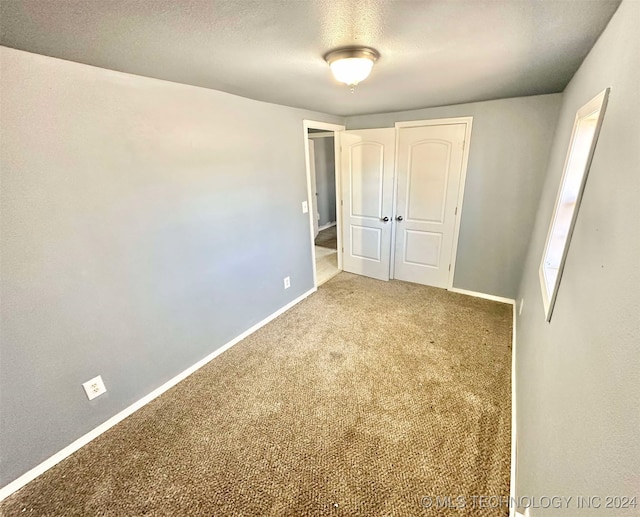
{"x":583,"y":141}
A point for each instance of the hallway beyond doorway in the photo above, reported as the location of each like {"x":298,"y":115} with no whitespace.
{"x":326,"y":245}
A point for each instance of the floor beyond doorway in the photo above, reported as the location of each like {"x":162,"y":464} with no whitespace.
{"x":328,"y":238}
{"x":361,"y":400}
{"x":326,"y":245}
{"x":326,"y":264}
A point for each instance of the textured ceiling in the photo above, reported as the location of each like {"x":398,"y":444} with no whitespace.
{"x":433,"y":52}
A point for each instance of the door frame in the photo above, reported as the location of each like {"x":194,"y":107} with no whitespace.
{"x":468,"y":122}
{"x":336,"y":128}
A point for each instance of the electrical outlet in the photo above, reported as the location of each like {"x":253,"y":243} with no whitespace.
{"x":305,"y":207}
{"x":94,"y":387}
{"x":521,"y":306}
{"x":287,"y":282}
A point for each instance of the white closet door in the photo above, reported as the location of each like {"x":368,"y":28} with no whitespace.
{"x":367,"y":194}
{"x":429,"y":169}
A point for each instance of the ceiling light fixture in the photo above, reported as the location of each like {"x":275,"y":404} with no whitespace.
{"x":351,"y":65}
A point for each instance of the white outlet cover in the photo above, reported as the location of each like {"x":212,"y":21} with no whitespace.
{"x":94,"y":387}
{"x":305,"y":207}
{"x":287,"y":282}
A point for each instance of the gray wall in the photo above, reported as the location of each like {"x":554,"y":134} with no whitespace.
{"x":144,"y":224}
{"x":578,"y":391}
{"x":325,"y":179}
{"x":510,"y":143}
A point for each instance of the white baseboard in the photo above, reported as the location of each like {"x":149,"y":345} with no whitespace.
{"x":483,"y":295}
{"x":325,"y":226}
{"x":514,"y":442}
{"x":9,"y":489}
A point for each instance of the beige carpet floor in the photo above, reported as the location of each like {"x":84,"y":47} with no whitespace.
{"x":361,"y":400}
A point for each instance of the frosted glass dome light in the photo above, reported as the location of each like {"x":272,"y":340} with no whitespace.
{"x":351,"y":66}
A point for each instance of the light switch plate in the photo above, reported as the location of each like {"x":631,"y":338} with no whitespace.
{"x":305,"y":207}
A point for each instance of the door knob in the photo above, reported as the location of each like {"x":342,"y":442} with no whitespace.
{"x":385,"y":219}
{"x":399,"y":218}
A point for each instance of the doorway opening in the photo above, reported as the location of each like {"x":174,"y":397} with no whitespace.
{"x":323,"y":182}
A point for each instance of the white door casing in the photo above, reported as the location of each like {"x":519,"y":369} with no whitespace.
{"x":429,"y":169}
{"x":335,"y":128}
{"x":367,"y":195}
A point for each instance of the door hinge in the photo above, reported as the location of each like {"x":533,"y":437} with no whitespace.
{"x":464,"y":142}
{"x":454,"y":213}
{"x":449,"y":267}
{"x":341,"y":203}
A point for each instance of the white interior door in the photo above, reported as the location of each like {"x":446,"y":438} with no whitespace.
{"x":429,"y":169}
{"x":314,"y":187}
{"x":367,"y":194}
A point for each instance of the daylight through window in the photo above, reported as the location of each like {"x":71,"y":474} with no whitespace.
{"x":583,"y":140}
